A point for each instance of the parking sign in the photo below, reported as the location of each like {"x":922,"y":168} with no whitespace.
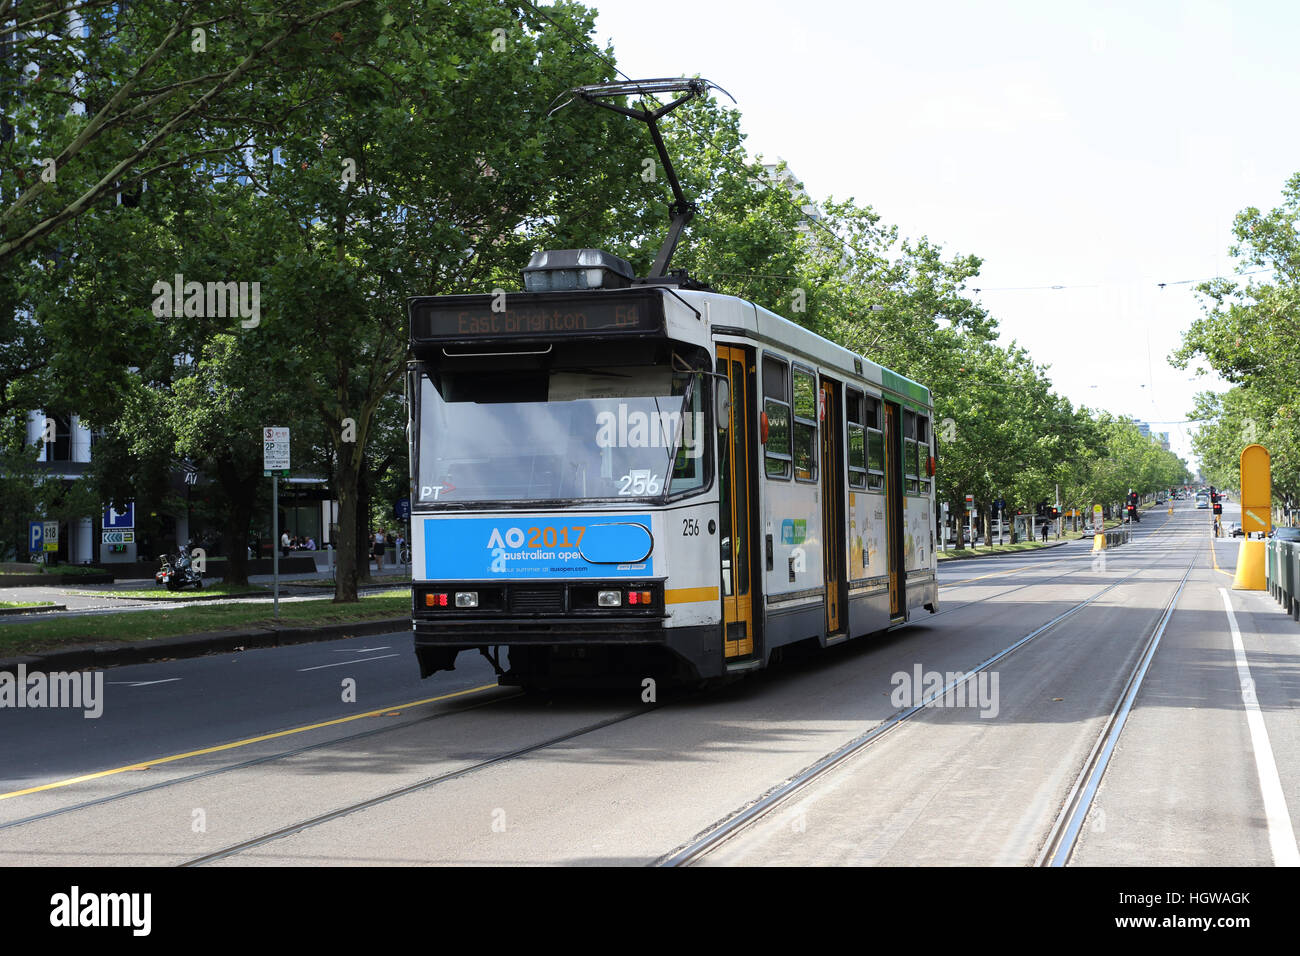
{"x":275,"y":451}
{"x":123,"y":520}
{"x":35,"y":536}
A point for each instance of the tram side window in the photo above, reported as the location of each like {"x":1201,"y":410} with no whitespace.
{"x":688,"y":468}
{"x":805,"y":425}
{"x":923,"y":452}
{"x":853,"y":406}
{"x":776,"y":405}
{"x":875,"y":444}
{"x":909,"y":451}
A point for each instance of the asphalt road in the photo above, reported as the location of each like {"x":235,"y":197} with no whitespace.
{"x":291,"y":773}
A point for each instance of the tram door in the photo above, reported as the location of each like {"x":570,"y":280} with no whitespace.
{"x":894,"y":509}
{"x":734,"y":497}
{"x":833,"y":522}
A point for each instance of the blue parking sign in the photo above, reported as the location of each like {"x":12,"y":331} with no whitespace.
{"x":35,"y":536}
{"x":124,"y":520}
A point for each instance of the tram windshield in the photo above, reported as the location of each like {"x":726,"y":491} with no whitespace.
{"x":620,"y":433}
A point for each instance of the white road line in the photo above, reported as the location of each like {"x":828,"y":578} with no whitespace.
{"x":1281,"y":836}
{"x":360,"y":660}
{"x":145,"y":683}
{"x":361,"y":650}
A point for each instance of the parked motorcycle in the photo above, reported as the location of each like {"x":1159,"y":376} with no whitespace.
{"x":177,"y":574}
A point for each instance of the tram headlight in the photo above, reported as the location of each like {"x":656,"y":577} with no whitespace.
{"x":467,"y":599}
{"x":609,"y":598}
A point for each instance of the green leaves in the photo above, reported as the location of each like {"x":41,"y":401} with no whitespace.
{"x":1250,"y":334}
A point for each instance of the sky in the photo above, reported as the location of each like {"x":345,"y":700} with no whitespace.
{"x":1100,"y":147}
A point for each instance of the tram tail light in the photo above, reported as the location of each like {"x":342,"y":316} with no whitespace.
{"x":609,"y":599}
{"x":434,"y":599}
{"x":638,"y":597}
{"x":467,"y":599}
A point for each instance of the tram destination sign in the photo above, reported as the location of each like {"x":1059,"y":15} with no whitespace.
{"x":523,"y":315}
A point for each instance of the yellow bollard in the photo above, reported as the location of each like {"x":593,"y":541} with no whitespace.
{"x":1099,"y":542}
{"x":1250,"y":574}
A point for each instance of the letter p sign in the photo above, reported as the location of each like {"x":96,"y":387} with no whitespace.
{"x":36,"y":536}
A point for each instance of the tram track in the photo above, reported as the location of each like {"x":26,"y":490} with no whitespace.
{"x":1085,"y":560}
{"x":417,"y":786}
{"x":1068,"y":823}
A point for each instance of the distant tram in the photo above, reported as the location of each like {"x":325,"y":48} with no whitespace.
{"x":616,"y":478}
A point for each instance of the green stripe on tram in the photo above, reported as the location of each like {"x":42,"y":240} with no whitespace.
{"x":905,"y":386}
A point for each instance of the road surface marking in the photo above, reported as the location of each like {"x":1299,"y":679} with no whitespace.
{"x":359,"y":660}
{"x":1215,"y":558}
{"x":146,"y":764}
{"x":994,"y":574}
{"x":1281,"y":837}
{"x":144,"y":683}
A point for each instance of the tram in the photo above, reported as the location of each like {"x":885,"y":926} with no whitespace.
{"x":616,"y":478}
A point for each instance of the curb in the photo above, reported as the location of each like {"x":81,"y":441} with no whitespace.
{"x":196,"y":645}
{"x":37,"y":609}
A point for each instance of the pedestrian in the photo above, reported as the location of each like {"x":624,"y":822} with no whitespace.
{"x":284,"y":544}
{"x":379,"y":550}
{"x":1044,"y":533}
{"x":311,"y":543}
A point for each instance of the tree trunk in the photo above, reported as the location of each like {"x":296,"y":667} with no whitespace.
{"x":988,"y":525}
{"x":364,"y":551}
{"x":345,"y":568}
{"x":240,"y":492}
{"x":958,"y":508}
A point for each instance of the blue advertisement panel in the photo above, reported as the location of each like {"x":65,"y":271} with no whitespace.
{"x":539,"y":546}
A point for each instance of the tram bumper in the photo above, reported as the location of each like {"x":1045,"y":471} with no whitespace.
{"x":628,"y":646}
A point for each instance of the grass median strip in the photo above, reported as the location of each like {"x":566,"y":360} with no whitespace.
{"x":969,"y":552}
{"x":30,"y":637}
{"x":162,"y":594}
{"x":9,"y":604}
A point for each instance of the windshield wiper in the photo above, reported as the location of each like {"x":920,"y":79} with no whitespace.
{"x":687,"y":394}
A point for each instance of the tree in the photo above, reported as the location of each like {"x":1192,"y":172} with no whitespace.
{"x":102,"y":97}
{"x":1248,"y":335}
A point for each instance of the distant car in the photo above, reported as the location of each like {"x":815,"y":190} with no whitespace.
{"x":1235,"y":529}
{"x":1285,"y":534}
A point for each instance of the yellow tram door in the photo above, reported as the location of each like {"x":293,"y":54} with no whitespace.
{"x":833,"y":522}
{"x":894,"y":509}
{"x":734,"y":494}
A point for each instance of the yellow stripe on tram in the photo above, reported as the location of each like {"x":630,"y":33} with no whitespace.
{"x":689,"y":595}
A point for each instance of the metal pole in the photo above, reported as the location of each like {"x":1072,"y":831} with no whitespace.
{"x":275,"y":542}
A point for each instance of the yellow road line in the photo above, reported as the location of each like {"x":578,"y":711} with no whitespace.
{"x":1214,"y":558}
{"x":146,"y":764}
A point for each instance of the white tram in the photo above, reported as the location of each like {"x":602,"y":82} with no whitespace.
{"x":619,"y":478}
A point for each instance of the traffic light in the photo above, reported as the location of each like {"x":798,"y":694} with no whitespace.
{"x":1218,"y":508}
{"x":1056,"y":513}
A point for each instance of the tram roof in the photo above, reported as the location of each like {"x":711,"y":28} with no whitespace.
{"x":753,"y":321}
